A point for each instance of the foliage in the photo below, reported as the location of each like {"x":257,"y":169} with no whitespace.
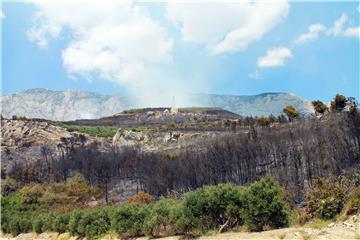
{"x":339,"y":103}
{"x":95,"y":131}
{"x":9,"y":185}
{"x":215,"y":205}
{"x":140,"y":197}
{"x":58,"y":195}
{"x":264,"y":121}
{"x":319,"y":106}
{"x":291,"y":112}
{"x":325,"y":199}
{"x":129,"y":219}
{"x":265,"y":205}
{"x":93,"y":224}
{"x":353,"y":204}
{"x":163,"y":217}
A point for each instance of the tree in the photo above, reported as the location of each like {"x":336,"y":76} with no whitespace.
{"x":291,"y":112}
{"x":319,"y":107}
{"x":339,"y":103}
{"x":264,"y":121}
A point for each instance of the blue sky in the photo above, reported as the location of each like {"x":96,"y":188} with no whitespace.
{"x":310,"y":49}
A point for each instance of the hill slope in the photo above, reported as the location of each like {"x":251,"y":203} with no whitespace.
{"x":71,"y":104}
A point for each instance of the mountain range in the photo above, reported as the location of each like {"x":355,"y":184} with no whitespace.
{"x":73,"y":104}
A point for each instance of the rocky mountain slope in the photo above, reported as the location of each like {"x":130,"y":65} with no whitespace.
{"x":71,"y":104}
{"x":31,"y":140}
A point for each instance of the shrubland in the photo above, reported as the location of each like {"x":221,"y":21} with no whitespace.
{"x":223,"y":207}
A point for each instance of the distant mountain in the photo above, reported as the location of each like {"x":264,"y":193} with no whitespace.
{"x":72,"y":104}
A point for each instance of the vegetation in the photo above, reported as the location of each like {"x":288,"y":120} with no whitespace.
{"x":55,"y":195}
{"x":265,"y":205}
{"x":95,"y":131}
{"x":325,"y":199}
{"x":212,"y":207}
{"x":339,"y":103}
{"x":291,"y":112}
{"x":319,"y":107}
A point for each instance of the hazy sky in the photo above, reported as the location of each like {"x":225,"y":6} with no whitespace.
{"x":310,"y":49}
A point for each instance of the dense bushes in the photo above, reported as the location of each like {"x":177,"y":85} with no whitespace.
{"x":265,"y":205}
{"x":222,"y":207}
{"x":325,"y":199}
{"x":214,"y":206}
{"x":129,"y":219}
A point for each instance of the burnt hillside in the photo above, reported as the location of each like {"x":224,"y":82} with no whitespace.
{"x":294,"y":153}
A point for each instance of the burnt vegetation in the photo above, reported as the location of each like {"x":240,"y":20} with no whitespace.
{"x":294,"y":153}
{"x":281,"y":163}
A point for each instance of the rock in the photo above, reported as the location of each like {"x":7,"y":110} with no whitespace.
{"x":24,"y":139}
{"x":172,"y":137}
{"x":128,"y":138}
{"x":331,"y":225}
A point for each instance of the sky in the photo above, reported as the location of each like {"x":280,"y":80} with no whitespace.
{"x":150,"y":49}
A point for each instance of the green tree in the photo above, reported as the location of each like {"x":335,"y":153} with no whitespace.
{"x":339,"y":103}
{"x":291,"y":112}
{"x":319,"y":106}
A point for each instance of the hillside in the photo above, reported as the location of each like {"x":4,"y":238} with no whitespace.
{"x":71,"y":105}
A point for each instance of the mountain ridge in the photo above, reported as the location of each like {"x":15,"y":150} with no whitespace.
{"x":70,"y":104}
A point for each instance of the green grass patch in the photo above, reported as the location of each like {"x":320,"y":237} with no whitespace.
{"x":142,"y":129}
{"x":95,"y":131}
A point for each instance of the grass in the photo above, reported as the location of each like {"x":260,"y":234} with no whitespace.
{"x":101,"y":131}
{"x":95,"y":131}
{"x":193,"y":110}
{"x":317,"y":223}
{"x":305,"y":235}
{"x":282,"y":235}
{"x":142,"y":129}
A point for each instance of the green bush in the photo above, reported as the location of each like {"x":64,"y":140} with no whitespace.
{"x":162,"y":219}
{"x":129,"y":219}
{"x":60,"y":223}
{"x":94,"y":223}
{"x":215,"y":205}
{"x":265,"y":205}
{"x":74,"y":222}
{"x":38,"y":224}
{"x":19,"y":224}
{"x":48,"y":222}
{"x":324,"y":199}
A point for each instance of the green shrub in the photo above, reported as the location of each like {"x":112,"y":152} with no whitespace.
{"x":19,"y":224}
{"x":38,"y":224}
{"x":162,"y":220}
{"x":32,"y":193}
{"x":60,"y":223}
{"x":265,"y":205}
{"x":129,"y":219}
{"x":48,"y":222}
{"x":215,"y":205}
{"x":324,"y":199}
{"x":74,"y":223}
{"x":93,"y":224}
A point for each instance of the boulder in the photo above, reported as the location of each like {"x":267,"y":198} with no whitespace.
{"x":172,"y":136}
{"x":128,"y":138}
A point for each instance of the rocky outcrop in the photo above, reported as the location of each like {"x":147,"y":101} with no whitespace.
{"x":129,"y":138}
{"x":26,"y":140}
